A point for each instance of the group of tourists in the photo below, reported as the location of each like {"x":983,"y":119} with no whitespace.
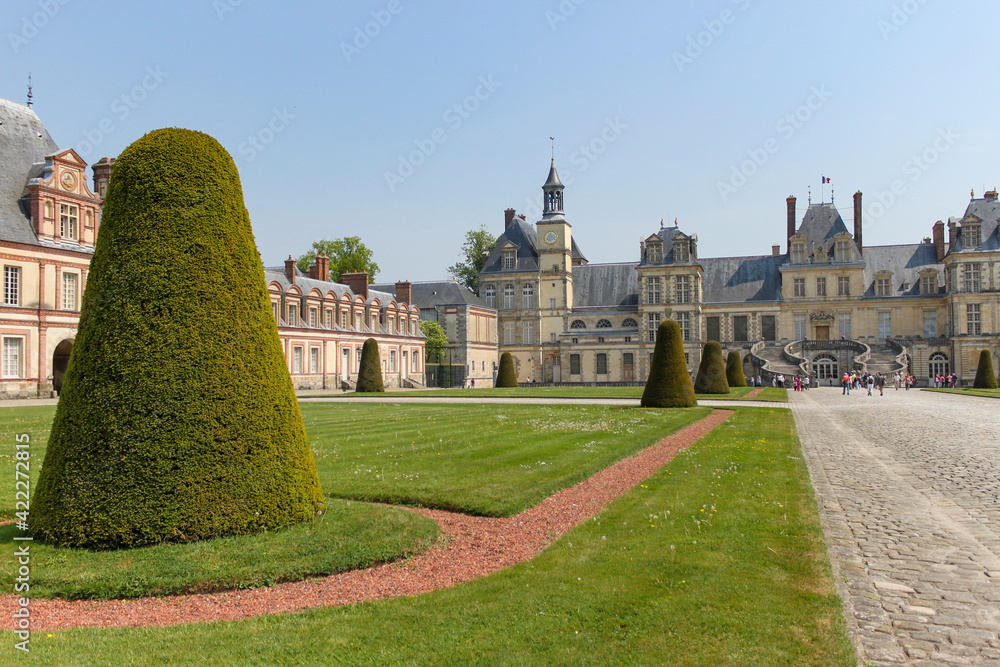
{"x":946,"y":381}
{"x":869,"y":381}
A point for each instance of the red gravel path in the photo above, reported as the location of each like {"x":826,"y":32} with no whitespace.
{"x":476,"y":546}
{"x":753,"y":393}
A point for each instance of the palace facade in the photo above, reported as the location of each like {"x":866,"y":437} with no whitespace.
{"x":827,"y":304}
{"x":49,"y":221}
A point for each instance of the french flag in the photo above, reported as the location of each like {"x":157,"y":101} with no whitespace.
{"x":825,"y":180}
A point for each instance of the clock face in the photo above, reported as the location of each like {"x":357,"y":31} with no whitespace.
{"x":68,"y":180}
{"x":550,"y":238}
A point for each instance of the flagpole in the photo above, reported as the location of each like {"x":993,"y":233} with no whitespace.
{"x":822,"y":192}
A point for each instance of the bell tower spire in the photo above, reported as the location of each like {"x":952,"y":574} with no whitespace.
{"x":553,"y":190}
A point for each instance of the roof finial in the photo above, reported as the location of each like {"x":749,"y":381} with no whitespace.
{"x":553,"y":140}
{"x":832,"y":200}
{"x":810,"y":195}
{"x":972,"y":193}
{"x":661,"y":223}
{"x":30,"y":94}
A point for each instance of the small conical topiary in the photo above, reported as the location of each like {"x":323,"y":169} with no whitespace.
{"x":506,"y":376}
{"x":178,"y":420}
{"x":985,"y":377}
{"x":370,"y":373}
{"x":669,"y":384}
{"x":734,"y":369}
{"x":711,"y":377}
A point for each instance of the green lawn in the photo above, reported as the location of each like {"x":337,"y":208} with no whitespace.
{"x":769,"y":393}
{"x":492,"y":460}
{"x":989,"y":393}
{"x":717,"y":559}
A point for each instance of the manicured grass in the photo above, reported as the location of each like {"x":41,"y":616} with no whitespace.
{"x":35,"y":421}
{"x":717,"y":559}
{"x":491,"y":460}
{"x":349,"y":536}
{"x":769,"y":393}
{"x":989,"y":393}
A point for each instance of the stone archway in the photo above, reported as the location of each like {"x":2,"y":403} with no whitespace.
{"x":60,"y":360}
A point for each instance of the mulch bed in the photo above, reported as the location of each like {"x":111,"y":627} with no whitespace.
{"x":474,"y":547}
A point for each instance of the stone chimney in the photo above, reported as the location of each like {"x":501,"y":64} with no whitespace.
{"x":508,"y":217}
{"x":290,"y":269}
{"x":857,"y":222}
{"x":102,"y":175}
{"x":791,"y":222}
{"x":358,"y":282}
{"x":403,"y":292}
{"x":320,"y":268}
{"x":938,"y":236}
{"x":775,"y":250}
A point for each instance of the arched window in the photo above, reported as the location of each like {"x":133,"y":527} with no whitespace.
{"x":491,"y":296}
{"x":629,"y":322}
{"x":528,"y":296}
{"x":939,"y":364}
{"x":508,"y":295}
{"x":826,"y":366}
{"x":578,"y":324}
{"x":604,"y":324}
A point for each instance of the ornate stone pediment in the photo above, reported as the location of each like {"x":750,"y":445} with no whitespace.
{"x":822,"y":317}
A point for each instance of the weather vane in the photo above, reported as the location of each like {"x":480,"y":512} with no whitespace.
{"x":553,"y":140}
{"x":30,"y":95}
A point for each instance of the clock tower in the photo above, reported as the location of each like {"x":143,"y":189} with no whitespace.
{"x":555,"y":259}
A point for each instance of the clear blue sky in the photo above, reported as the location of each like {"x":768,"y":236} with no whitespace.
{"x":670,"y":98}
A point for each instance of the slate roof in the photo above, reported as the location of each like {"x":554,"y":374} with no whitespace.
{"x":605,"y":285}
{"x":521,"y":234}
{"x":277,"y":274}
{"x":820,"y":224}
{"x":741,"y":279}
{"x":431,"y":294}
{"x":987,"y":210}
{"x":24,"y":145}
{"x":905,"y":262}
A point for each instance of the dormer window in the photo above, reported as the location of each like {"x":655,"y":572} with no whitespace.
{"x":509,"y":259}
{"x":843,"y":250}
{"x":798,"y":252}
{"x":69,"y":219}
{"x":654,"y":253}
{"x":883,"y":285}
{"x":682,"y":251}
{"x":972,"y":235}
{"x":929,"y":283}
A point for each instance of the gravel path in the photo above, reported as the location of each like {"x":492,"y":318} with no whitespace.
{"x":909,"y":494}
{"x":476,"y":546}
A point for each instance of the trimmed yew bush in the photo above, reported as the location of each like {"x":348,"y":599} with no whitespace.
{"x":178,"y":420}
{"x":370,"y":372}
{"x":711,"y":377}
{"x":985,"y":377}
{"x":668,"y":385}
{"x":506,"y":376}
{"x":734,"y":369}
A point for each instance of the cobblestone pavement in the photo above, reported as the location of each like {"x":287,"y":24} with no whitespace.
{"x":908,"y":486}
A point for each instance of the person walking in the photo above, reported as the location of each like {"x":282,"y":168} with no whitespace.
{"x":846,"y":381}
{"x":870,"y":383}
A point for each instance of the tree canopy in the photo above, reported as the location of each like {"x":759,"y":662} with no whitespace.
{"x":477,"y":242}
{"x":436,"y":340}
{"x":347,"y":255}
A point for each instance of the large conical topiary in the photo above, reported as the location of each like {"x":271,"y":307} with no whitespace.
{"x":985,"y":377}
{"x":734,"y":370}
{"x":669,"y":384}
{"x":178,"y":420}
{"x":506,"y":376}
{"x":711,"y":377}
{"x":370,"y":373}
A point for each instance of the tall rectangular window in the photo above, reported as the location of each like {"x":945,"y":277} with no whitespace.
{"x":654,"y":291}
{"x":972,"y":235}
{"x":490,"y":294}
{"x":528,"y":296}
{"x":574,"y":364}
{"x":313,"y":318}
{"x":684,"y":320}
{"x":508,"y":296}
{"x":740,"y":329}
{"x":973,"y":277}
{"x":821,"y":287}
{"x":12,"y":285}
{"x":509,"y":260}
{"x":602,"y":364}
{"x":973,"y":316}
{"x":652,"y":323}
{"x":343,"y":319}
{"x":768,"y":328}
{"x":930,"y":324}
{"x":69,"y":218}
{"x":527,"y":333}
{"x":844,"y":286}
{"x":314,"y":360}
{"x":392,"y":361}
{"x":13,"y":349}
{"x":800,"y":327}
{"x":69,"y":291}
{"x":844,"y":324}
{"x":712,"y":329}
{"x":508,"y":333}
{"x":293,"y":315}
{"x":885,"y":325}
{"x":684,"y":291}
{"x":799,"y":287}
{"x":329,"y":319}
{"x":296,"y":359}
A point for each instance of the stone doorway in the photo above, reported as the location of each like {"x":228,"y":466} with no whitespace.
{"x":60,"y":361}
